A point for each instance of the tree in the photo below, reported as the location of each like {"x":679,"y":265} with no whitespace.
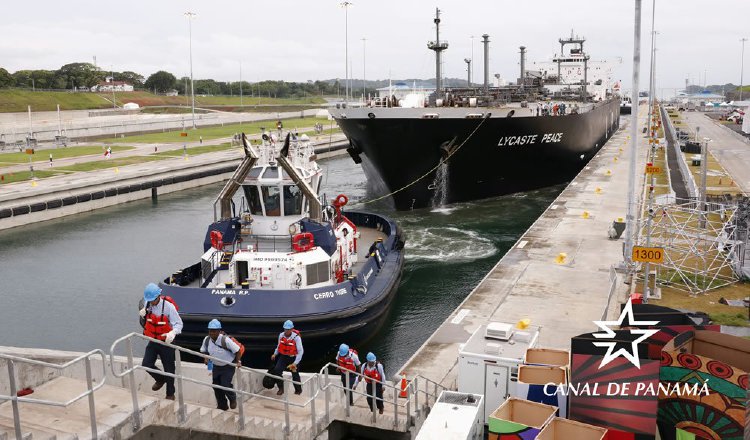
{"x":161,"y":81}
{"x":6,"y":80}
{"x":80,"y":75}
{"x":132,"y":78}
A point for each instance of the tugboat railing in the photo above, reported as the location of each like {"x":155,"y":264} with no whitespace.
{"x":180,"y":378}
{"x":90,"y":387}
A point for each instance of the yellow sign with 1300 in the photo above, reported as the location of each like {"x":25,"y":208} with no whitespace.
{"x":648,"y":254}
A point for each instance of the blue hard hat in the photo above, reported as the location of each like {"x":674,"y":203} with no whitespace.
{"x":343,"y":350}
{"x":214,"y":325}
{"x":151,"y":292}
{"x":371,"y":357}
{"x":288,"y":325}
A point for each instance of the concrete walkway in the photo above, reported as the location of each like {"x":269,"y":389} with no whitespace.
{"x":729,"y":148}
{"x":42,"y":158}
{"x":557,"y":274}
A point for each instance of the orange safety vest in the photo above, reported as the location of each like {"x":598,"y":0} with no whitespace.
{"x":371,"y":373}
{"x":157,"y":326}
{"x":347,"y":362}
{"x":288,"y":346}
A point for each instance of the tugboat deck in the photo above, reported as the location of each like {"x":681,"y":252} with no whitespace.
{"x":277,"y":244}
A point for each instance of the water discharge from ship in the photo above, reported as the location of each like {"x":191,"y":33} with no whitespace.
{"x":447,"y":244}
{"x":440,"y":186}
{"x":440,"y":183}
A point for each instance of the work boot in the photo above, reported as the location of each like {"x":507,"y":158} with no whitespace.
{"x":170,"y":397}
{"x":232,"y":404}
{"x":298,"y":391}
{"x":157,"y":386}
{"x":380,"y":410}
{"x":280,"y":392}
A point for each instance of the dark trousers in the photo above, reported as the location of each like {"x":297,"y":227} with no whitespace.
{"x":166,"y":355}
{"x":378,"y":394}
{"x":283,"y":361}
{"x":349,"y":386}
{"x":223,"y":376}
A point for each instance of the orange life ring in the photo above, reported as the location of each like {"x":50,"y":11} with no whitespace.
{"x":340,"y":200}
{"x":217,"y":240}
{"x":303,"y":242}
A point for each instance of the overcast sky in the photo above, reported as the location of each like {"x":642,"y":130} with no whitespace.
{"x":298,"y":40}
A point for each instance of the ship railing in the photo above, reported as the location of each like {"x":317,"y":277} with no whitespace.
{"x":395,"y":397}
{"x":242,"y":395}
{"x":91,"y":386}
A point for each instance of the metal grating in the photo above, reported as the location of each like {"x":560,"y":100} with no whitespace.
{"x":464,"y":399}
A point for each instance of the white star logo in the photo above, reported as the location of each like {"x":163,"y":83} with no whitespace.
{"x":632,"y":356}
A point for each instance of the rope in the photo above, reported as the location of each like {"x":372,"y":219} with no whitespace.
{"x":442,"y":161}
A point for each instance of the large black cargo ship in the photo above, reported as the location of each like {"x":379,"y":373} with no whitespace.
{"x":479,"y":142}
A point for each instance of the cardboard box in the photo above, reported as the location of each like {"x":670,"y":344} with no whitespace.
{"x":517,"y":417}
{"x":563,"y":429}
{"x":534,"y":385}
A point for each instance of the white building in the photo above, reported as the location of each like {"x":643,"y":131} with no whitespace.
{"x":109,"y":84}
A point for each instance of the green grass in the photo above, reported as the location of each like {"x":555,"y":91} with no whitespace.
{"x":111,"y":163}
{"x":194,"y":150}
{"x":18,"y":100}
{"x":735,"y":319}
{"x":217,"y":132}
{"x":58,"y":153}
{"x":20,"y":176}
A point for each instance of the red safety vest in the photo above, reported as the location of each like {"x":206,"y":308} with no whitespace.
{"x":371,"y":373}
{"x":157,"y":326}
{"x":347,"y":362}
{"x":288,"y":346}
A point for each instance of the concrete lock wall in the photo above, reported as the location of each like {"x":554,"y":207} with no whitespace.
{"x":58,"y":204}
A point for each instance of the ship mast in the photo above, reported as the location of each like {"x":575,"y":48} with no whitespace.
{"x":438,"y":47}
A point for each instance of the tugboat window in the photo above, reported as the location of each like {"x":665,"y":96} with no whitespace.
{"x":253,"y":199}
{"x":271,"y":173}
{"x":272,"y":200}
{"x":292,"y":200}
{"x":255,"y":172}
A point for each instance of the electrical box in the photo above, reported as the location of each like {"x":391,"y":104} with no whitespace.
{"x":489,"y":366}
{"x":455,"y":416}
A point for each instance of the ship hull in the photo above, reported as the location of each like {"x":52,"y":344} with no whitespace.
{"x":400,"y":150}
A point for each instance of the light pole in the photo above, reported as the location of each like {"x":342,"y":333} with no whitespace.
{"x":742,"y":65}
{"x":364,"y":68}
{"x":112,"y":72}
{"x":190,"y":16}
{"x":468,"y":71}
{"x":346,"y":5}
{"x":631,"y":226}
{"x":471,"y":74}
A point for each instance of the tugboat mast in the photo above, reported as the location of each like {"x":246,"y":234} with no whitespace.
{"x":438,"y":47}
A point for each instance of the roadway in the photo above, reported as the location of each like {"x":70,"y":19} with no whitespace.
{"x":729,"y":148}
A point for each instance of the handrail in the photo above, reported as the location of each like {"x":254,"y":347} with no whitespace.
{"x":14,"y":398}
{"x":180,"y":377}
{"x":412,"y":391}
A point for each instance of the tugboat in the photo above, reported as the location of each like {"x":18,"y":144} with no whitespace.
{"x":278,"y":253}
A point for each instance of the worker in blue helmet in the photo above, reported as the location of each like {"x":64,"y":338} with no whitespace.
{"x":372,"y":371}
{"x":348,"y":362}
{"x":288,"y":355}
{"x":162,"y":322}
{"x":219,"y":345}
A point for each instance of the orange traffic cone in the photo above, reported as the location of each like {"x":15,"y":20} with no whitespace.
{"x":403,"y":385}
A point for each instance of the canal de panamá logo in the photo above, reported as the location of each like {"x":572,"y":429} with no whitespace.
{"x":632,"y":355}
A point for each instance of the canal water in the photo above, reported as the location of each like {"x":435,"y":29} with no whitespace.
{"x":74,"y":283}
